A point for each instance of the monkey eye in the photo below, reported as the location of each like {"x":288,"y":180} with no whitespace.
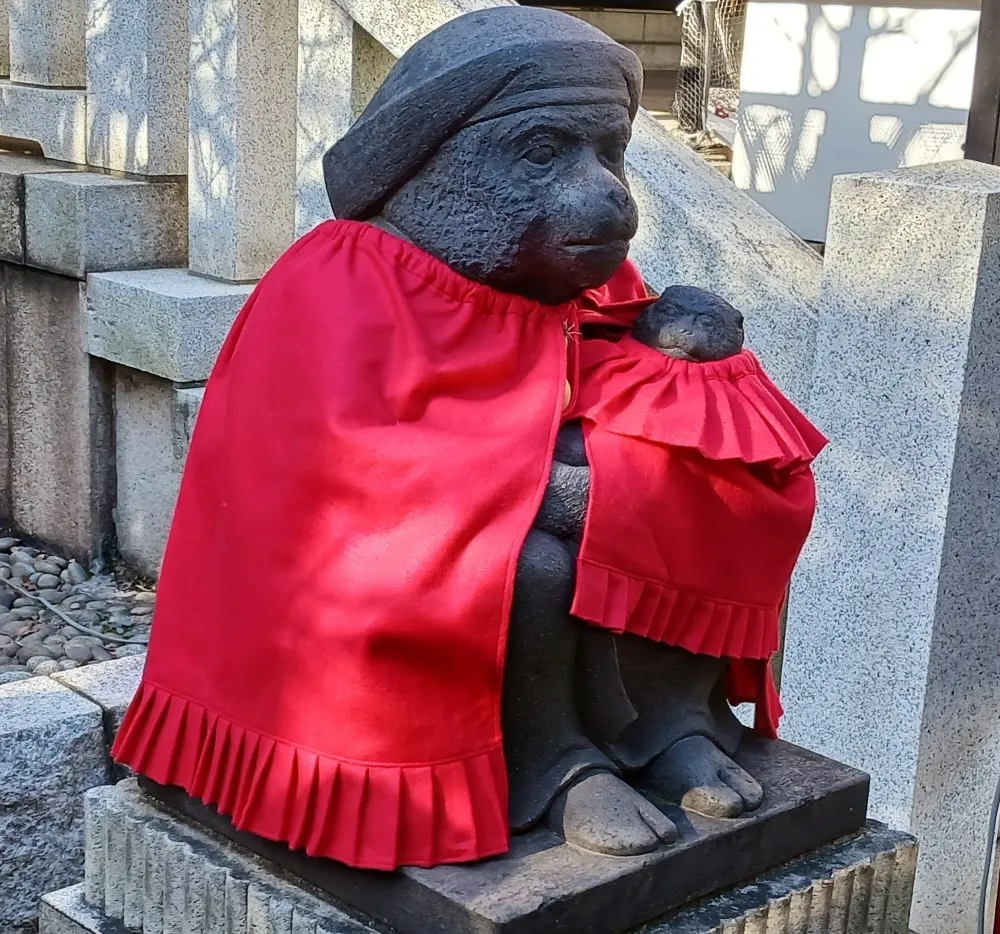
{"x":540,"y":155}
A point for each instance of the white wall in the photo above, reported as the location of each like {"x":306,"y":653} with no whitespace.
{"x":832,"y":89}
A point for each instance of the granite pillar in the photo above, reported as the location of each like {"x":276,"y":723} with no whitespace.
{"x":324,"y":111}
{"x":153,"y":424}
{"x":242,"y":147}
{"x":4,"y":40}
{"x":891,"y":659}
{"x":47,"y":42}
{"x":137,"y":84}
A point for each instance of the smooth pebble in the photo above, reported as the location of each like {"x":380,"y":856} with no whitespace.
{"x":31,"y":662}
{"x":46,"y":666}
{"x":79,"y":653}
{"x":49,"y":581}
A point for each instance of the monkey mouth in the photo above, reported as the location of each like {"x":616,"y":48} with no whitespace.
{"x":585,"y":246}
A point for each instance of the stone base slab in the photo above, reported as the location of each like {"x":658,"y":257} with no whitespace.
{"x":544,"y":885}
{"x":149,"y":871}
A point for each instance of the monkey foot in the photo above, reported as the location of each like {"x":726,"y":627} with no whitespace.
{"x":603,"y":814}
{"x":699,"y":776}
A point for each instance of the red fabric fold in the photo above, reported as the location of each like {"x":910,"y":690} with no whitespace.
{"x":376,"y":816}
{"x":327,"y":654}
{"x":725,"y":409}
{"x":702,"y":497}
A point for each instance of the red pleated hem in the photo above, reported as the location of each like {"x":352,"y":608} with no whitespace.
{"x":655,"y":610}
{"x":367,"y":815}
{"x":726,"y":409}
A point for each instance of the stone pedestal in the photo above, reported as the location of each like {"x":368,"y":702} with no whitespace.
{"x":891,"y":658}
{"x":148,"y":870}
{"x":543,"y":884}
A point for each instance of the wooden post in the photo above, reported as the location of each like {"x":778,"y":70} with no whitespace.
{"x":983,"y":140}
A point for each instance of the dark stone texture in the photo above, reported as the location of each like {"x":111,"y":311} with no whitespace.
{"x":691,"y":324}
{"x":545,"y":886}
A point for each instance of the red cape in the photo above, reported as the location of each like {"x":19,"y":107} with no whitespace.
{"x":702,"y":497}
{"x":327,"y":656}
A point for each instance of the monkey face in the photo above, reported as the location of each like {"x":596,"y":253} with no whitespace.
{"x":689,"y":323}
{"x":535,"y":203}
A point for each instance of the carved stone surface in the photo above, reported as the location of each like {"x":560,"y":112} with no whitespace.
{"x":858,"y":883}
{"x":545,"y":885}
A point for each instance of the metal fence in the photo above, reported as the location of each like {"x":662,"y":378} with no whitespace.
{"x":708,"y":79}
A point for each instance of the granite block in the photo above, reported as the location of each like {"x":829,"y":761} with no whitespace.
{"x":324,"y":102}
{"x":242,"y":151}
{"x":47,"y":42}
{"x":110,"y":685}
{"x":82,"y":222}
{"x":622,"y":25}
{"x":137,"y":82}
{"x":166,"y":322}
{"x":53,"y":752}
{"x":60,"y":408}
{"x":13,"y":169}
{"x":54,"y":118}
{"x":66,"y":912}
{"x":890,"y":659}
{"x":858,"y":883}
{"x":696,"y":228}
{"x":152,"y":433}
{"x":657,"y":56}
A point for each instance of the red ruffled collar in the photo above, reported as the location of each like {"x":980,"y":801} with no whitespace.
{"x":726,"y":409}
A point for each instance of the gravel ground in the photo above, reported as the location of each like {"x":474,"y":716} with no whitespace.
{"x":35,"y":640}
